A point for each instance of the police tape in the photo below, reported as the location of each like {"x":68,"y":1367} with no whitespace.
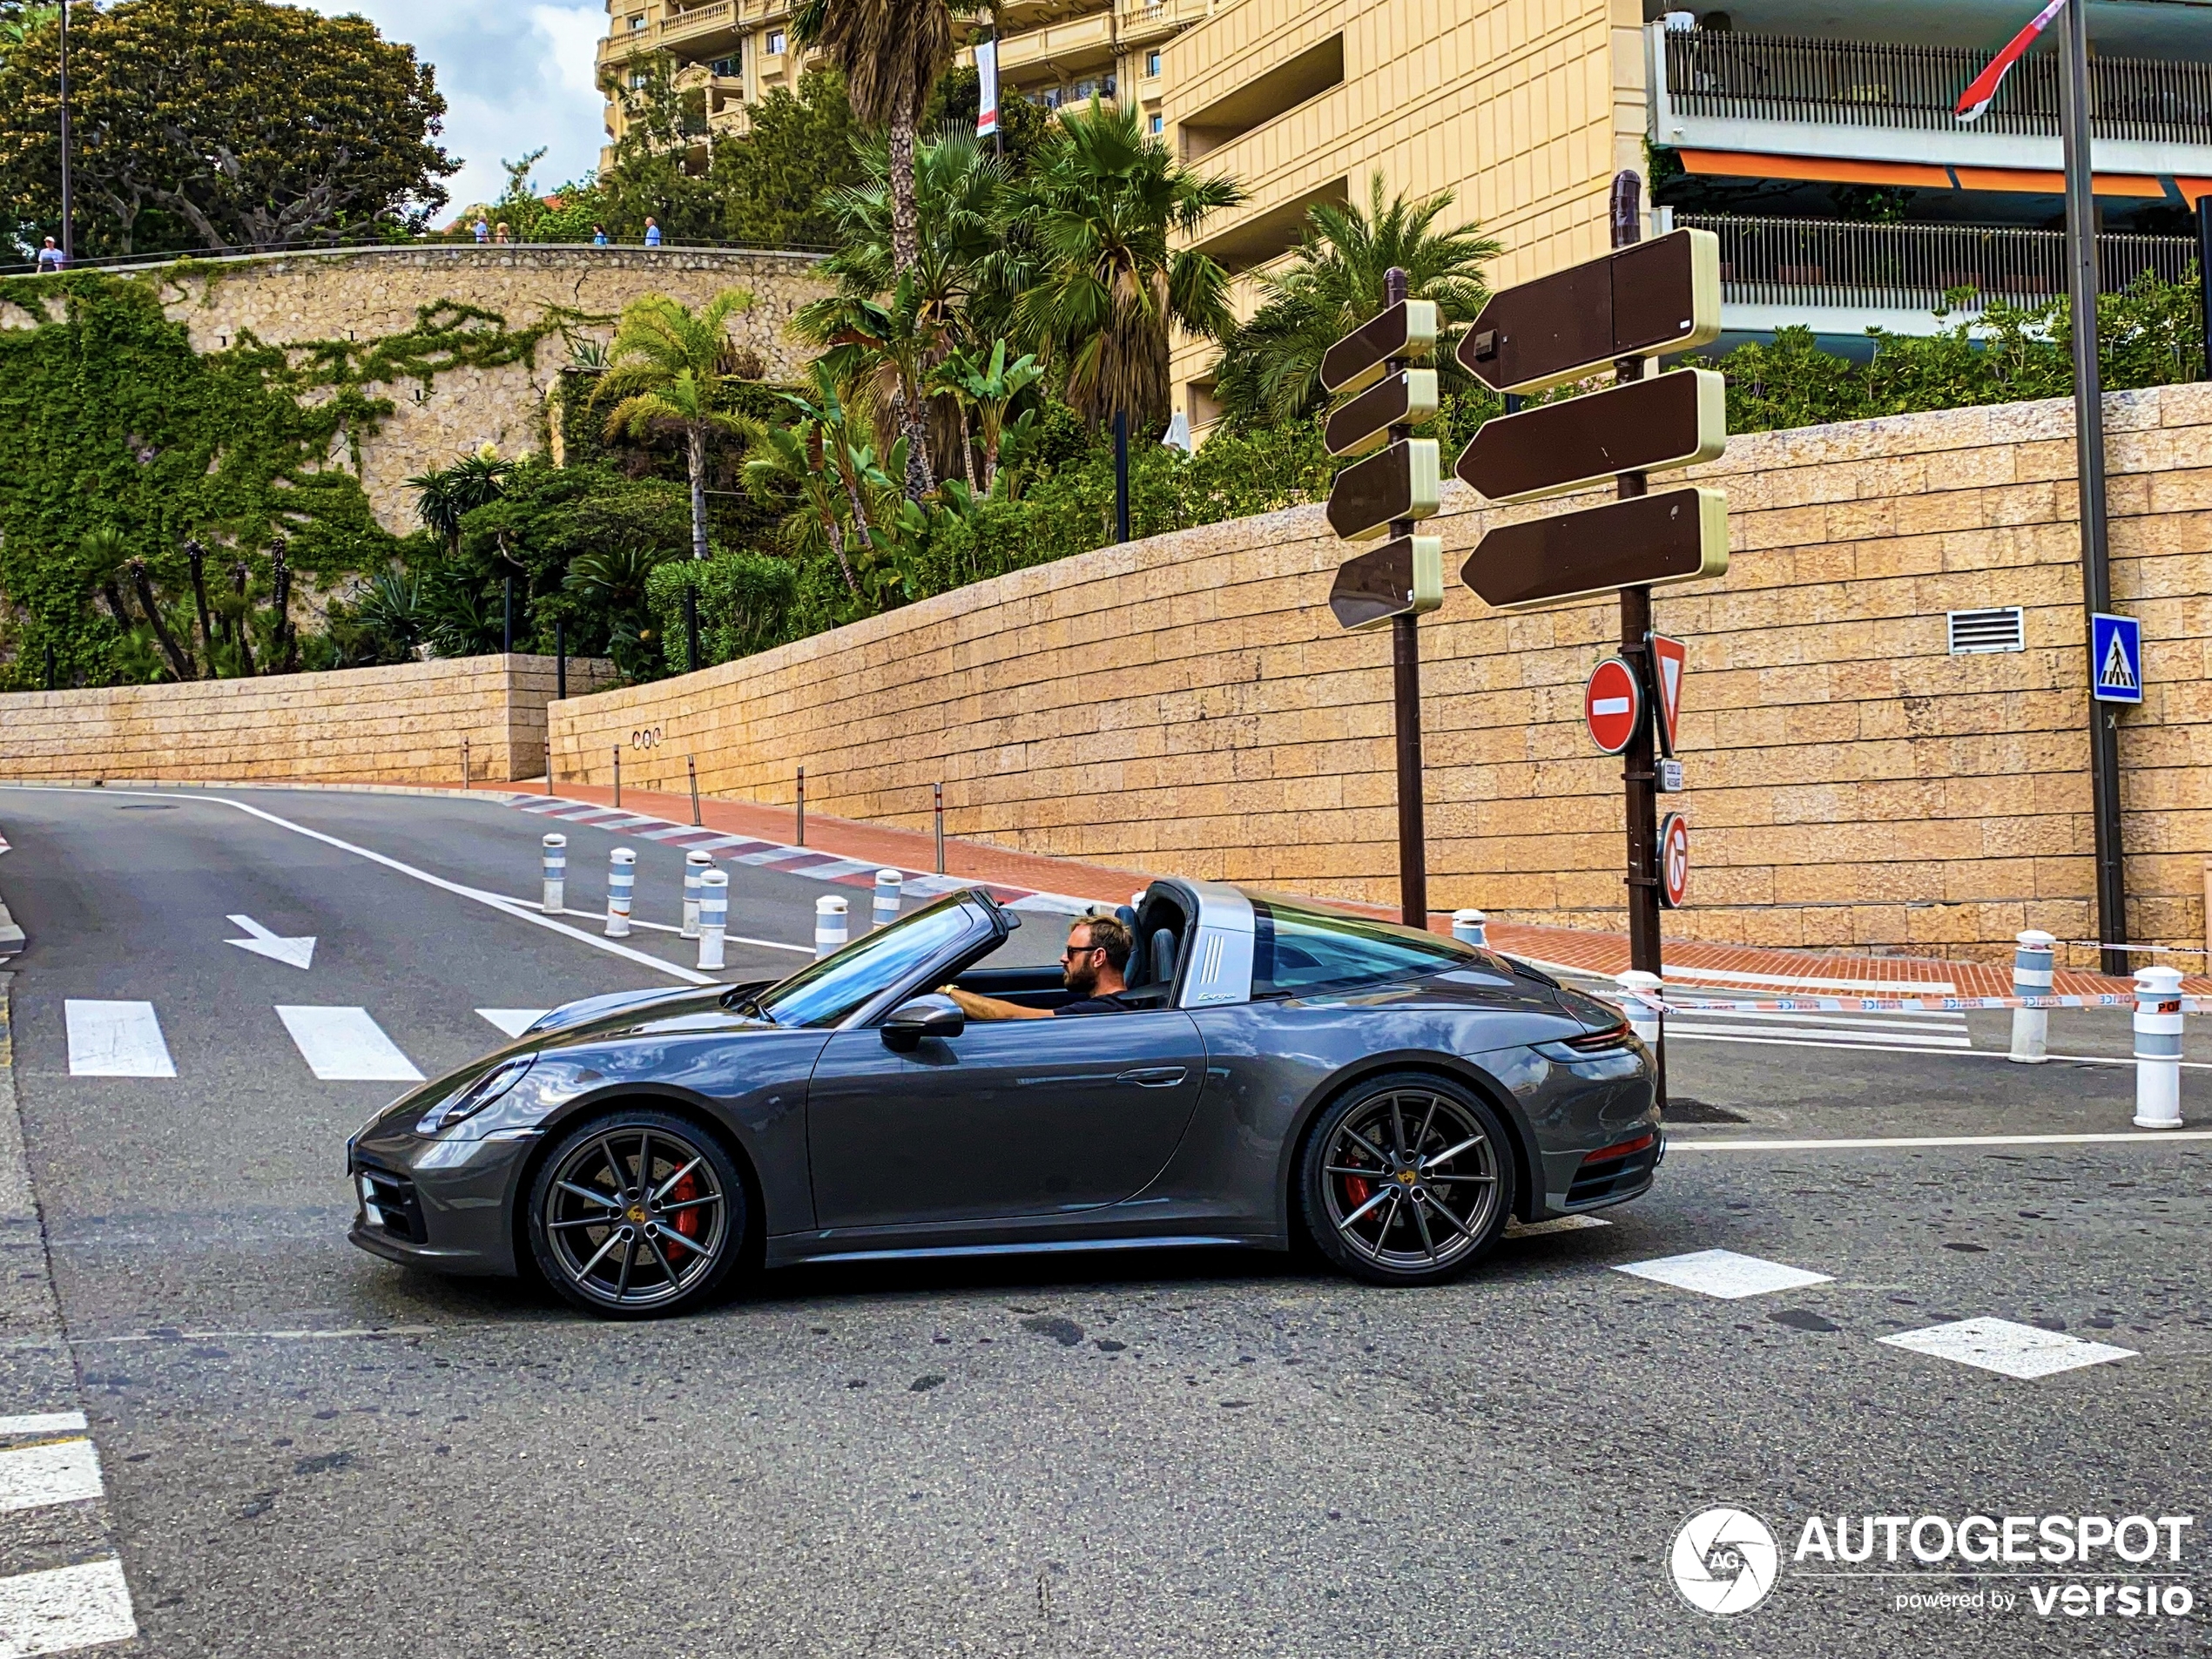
{"x":1903,"y":1004}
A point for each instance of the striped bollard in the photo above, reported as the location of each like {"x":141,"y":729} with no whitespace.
{"x":1640,"y":992}
{"x":556,"y":875}
{"x":2158,"y":1048}
{"x":829,"y":926}
{"x":1470,"y":927}
{"x":714,"y":916}
{"x":2031,"y":977}
{"x":889,"y":884}
{"x":696,"y":866}
{"x":622,"y":881}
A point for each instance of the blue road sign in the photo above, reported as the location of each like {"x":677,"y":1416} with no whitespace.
{"x":2115,"y":658}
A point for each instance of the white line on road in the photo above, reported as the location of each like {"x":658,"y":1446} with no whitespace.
{"x":43,"y":1423}
{"x":1723,"y":1273}
{"x":344,"y":1045}
{"x":34,"y":1476}
{"x":1813,"y":1035}
{"x":64,"y":1609}
{"x":513,"y":1022}
{"x":2010,"y":1350}
{"x":367,"y":1333}
{"x":1716,"y":1144}
{"x":116,"y":1040}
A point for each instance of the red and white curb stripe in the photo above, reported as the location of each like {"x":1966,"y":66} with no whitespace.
{"x":59,"y":1609}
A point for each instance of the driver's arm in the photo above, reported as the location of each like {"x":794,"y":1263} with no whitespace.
{"x":991,"y":1008}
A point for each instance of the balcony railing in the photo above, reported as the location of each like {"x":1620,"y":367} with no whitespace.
{"x":1912,"y":268}
{"x":1852,"y":82}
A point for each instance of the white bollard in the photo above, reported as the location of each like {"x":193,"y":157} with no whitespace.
{"x":696,"y":866}
{"x":714,"y":916}
{"x":889,"y":884}
{"x":2158,"y":1048}
{"x":2031,"y":977}
{"x":1471,"y":927}
{"x":1640,"y":991}
{"x":622,"y":882}
{"x":829,"y":926}
{"x":556,"y":874}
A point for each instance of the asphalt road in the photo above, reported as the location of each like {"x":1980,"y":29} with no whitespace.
{"x":305,"y":1451}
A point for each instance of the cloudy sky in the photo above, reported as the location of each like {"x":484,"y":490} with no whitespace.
{"x":514,"y":76}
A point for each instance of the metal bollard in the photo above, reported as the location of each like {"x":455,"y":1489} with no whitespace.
{"x":696,"y":866}
{"x":1471,"y":927}
{"x":1641,"y":992}
{"x":714,"y":916}
{"x":889,"y":884}
{"x":2158,"y":1048}
{"x":2031,"y":977}
{"x":556,"y":875}
{"x":829,"y":926}
{"x":622,"y":881}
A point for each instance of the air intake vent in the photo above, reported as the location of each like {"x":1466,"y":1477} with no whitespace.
{"x":1980,"y":631}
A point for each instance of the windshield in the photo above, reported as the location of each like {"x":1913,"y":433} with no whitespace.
{"x":1297,"y":950}
{"x":824,"y":992}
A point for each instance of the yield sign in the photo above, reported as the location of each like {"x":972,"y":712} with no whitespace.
{"x":298,"y":953}
{"x":1613,"y":704}
{"x":1667,"y":659}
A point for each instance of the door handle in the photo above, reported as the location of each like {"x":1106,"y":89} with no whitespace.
{"x":1154,"y":1076}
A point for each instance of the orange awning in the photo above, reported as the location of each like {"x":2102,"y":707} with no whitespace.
{"x":1738,"y":164}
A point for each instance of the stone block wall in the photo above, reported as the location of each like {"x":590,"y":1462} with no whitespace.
{"x":403,"y":725}
{"x":1187,"y":703}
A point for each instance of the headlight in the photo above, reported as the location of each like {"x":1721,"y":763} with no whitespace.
{"x":467,"y":1102}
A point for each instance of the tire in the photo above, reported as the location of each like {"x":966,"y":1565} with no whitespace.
{"x":663,"y":1246}
{"x":1417,"y":1203}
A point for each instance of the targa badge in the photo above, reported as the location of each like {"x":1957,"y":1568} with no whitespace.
{"x":1724,"y":1561}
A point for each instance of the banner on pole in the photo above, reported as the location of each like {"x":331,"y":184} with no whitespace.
{"x":987,"y":72}
{"x":1975,"y":102}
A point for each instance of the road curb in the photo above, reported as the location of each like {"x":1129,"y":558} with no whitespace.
{"x":12,"y":940}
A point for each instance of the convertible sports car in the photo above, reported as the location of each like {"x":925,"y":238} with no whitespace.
{"x":1289,"y":1072}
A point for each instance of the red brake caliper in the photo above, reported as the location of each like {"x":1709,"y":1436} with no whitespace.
{"x":687,"y":1221}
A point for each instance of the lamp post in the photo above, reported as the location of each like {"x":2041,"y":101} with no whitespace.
{"x":69,"y":234}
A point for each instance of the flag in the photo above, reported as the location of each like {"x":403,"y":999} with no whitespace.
{"x":1977,"y":98}
{"x":987,"y":72}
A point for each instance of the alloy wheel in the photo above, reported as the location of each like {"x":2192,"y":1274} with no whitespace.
{"x":636,"y":1217}
{"x":1410,"y":1180}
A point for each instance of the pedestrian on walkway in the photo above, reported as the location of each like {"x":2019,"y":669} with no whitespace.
{"x":503,"y":236}
{"x":49,"y":258}
{"x":652,"y":232}
{"x":484,"y":230}
{"x":598,"y":236}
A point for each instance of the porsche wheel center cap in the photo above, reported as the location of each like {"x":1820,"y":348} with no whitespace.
{"x":1408,"y":1178}
{"x":636,"y":1212}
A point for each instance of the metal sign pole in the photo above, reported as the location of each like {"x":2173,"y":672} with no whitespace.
{"x":1640,"y":770}
{"x":1405,"y":673}
{"x":2089,"y":448}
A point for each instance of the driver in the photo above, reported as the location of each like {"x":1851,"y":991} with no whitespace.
{"x":1098,"y":950}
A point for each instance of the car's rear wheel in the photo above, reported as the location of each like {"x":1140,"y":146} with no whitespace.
{"x":638,"y":1213}
{"x":1407,"y":1179}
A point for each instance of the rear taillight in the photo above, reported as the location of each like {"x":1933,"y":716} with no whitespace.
{"x":1620,"y":1150}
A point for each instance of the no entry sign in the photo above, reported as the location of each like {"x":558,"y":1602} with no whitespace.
{"x":1613,"y":704}
{"x":1674,"y":860}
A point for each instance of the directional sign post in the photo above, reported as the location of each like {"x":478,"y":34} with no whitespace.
{"x":1388,"y":495}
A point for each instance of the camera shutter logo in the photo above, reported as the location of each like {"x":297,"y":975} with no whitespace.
{"x":1724,"y":1561}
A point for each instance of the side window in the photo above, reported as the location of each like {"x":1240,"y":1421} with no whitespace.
{"x":1297,"y":950}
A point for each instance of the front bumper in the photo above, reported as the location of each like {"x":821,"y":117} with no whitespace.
{"x":444,"y":1204}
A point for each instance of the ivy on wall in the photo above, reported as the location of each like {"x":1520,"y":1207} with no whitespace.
{"x":111,"y":421}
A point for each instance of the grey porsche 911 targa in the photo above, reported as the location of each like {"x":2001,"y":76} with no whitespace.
{"x":1281,"y":1071}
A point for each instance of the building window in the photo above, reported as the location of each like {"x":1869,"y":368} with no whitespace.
{"x":1975,"y":632}
{"x":1159,"y":123}
{"x":776,"y":42}
{"x":724,"y":67}
{"x":1151,"y":63}
{"x":637,"y":21}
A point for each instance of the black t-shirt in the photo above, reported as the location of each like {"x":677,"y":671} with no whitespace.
{"x":1111,"y":1004}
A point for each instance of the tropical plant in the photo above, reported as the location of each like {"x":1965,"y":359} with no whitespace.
{"x":668,"y":366}
{"x":1104,"y":204}
{"x":886,"y":351}
{"x":1333,"y":281}
{"x":770,"y":182}
{"x":444,"y":498}
{"x":794,"y":464}
{"x":988,"y":389}
{"x":614,"y":582}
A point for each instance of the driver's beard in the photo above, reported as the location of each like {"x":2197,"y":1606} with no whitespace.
{"x":1082,"y":980}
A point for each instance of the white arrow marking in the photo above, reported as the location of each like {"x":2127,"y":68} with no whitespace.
{"x":299,"y":952}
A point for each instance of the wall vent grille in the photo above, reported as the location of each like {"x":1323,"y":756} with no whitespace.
{"x":1973,"y":632}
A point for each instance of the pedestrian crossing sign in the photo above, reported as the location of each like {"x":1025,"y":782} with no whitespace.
{"x":2115,"y":658}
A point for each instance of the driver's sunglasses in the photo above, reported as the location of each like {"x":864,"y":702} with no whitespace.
{"x":1074,"y":951}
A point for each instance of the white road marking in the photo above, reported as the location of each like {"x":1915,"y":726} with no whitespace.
{"x":1696,"y":1036}
{"x":43,"y":1423}
{"x":1717,"y":1143}
{"x":64,"y":1609}
{"x":34,"y":1476}
{"x":1849,"y":1024}
{"x":1723,"y":1273}
{"x":1894,"y":987}
{"x":513,"y":1022}
{"x":370,"y":1333}
{"x":2010,"y":1350}
{"x":116,"y":1040}
{"x":1556,"y":1225}
{"x":1811,"y":1034}
{"x":344,"y":1045}
{"x":295,"y":953}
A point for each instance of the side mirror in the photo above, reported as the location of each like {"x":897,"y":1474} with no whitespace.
{"x":926,"y":1016}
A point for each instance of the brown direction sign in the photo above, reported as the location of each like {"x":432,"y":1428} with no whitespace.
{"x":1650,"y":297}
{"x":1407,"y":329}
{"x":1403,"y":577}
{"x":1402,"y":482}
{"x":1406,"y":398}
{"x":1646,"y":541}
{"x":1677,"y":420}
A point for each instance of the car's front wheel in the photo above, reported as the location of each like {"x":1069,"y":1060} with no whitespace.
{"x":1407,"y":1179}
{"x":638,"y":1213}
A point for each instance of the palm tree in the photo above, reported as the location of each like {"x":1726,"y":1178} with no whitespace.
{"x":1270,"y":368}
{"x":444,"y":498}
{"x":667,"y":369}
{"x":796,"y":460}
{"x":893,"y":52}
{"x":989,"y":389}
{"x":886,"y":351}
{"x":1101,"y":204}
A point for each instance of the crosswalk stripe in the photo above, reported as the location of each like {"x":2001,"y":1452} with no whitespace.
{"x":33,"y":1476}
{"x":1723,"y":1273}
{"x":2010,"y":1350}
{"x":64,"y":1609}
{"x":116,"y":1040}
{"x":344,"y":1045}
{"x":513,"y":1022}
{"x":43,"y":1423}
{"x":1838,"y":1021}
